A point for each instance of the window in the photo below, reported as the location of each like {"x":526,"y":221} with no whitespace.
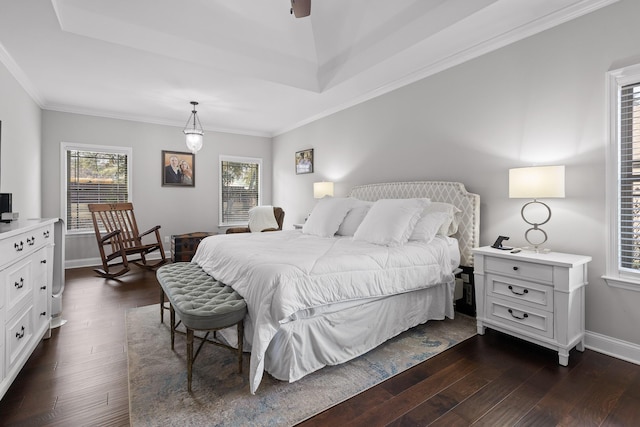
{"x":92,"y":174}
{"x":240,"y":188}
{"x":623,"y":174}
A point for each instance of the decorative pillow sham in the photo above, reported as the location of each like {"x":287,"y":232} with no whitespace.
{"x":429,"y":225}
{"x":262,"y":218}
{"x":327,"y":215}
{"x":450,"y":227}
{"x":354,"y":218}
{"x":390,"y":222}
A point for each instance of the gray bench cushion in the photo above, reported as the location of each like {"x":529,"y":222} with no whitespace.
{"x":199,"y":300}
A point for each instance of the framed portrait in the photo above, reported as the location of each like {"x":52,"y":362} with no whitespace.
{"x":304,"y":161}
{"x":178,"y":169}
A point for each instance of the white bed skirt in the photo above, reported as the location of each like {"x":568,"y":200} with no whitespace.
{"x":306,"y":345}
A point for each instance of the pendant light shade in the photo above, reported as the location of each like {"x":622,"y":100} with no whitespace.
{"x":193,"y":131}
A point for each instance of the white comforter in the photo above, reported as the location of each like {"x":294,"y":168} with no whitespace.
{"x":281,"y":273}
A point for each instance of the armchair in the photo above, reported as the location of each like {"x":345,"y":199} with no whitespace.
{"x":278,"y":213}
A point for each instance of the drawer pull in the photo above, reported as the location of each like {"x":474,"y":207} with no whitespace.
{"x":20,"y":334}
{"x":20,"y":284}
{"x":524,"y":292}
{"x":524,"y":315}
{"x":31,"y":241}
{"x":43,"y":288}
{"x":18,"y":247}
{"x":46,"y":234}
{"x":44,"y":261}
{"x":515,"y":268}
{"x":44,"y":313}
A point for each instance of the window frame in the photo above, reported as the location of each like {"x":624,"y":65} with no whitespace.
{"x":615,"y":275}
{"x":68,"y":146}
{"x":237,"y":159}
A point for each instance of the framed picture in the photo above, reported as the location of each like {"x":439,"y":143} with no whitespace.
{"x":304,"y":161}
{"x":178,"y":169}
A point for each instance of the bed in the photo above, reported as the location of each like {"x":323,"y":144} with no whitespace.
{"x":315,"y":300}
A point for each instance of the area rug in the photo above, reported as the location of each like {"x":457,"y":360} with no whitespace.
{"x":158,"y":376}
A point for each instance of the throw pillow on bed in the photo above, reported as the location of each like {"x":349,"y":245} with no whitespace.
{"x":429,"y":225}
{"x":327,"y":215}
{"x":354,"y":218}
{"x":390,"y":222}
{"x":449,"y":227}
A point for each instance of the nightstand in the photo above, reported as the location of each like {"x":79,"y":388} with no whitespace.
{"x":533,"y":296}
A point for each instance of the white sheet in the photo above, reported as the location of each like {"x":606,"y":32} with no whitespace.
{"x":281,"y":273}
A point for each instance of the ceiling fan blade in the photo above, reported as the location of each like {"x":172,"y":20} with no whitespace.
{"x":301,"y":8}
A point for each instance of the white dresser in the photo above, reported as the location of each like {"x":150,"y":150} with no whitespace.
{"x":532,"y":296}
{"x":26,"y":273}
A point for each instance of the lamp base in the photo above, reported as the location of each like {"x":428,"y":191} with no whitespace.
{"x":542,"y":238}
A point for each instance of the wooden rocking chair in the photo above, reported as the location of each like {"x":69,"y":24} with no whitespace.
{"x":122,"y":239}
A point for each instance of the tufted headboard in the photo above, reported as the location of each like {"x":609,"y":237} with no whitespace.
{"x":468,"y":234}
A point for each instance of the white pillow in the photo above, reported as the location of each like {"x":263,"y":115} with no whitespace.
{"x":261,"y":218}
{"x":450,"y":227}
{"x":390,"y":222}
{"x":428,"y":226}
{"x":327,"y":215}
{"x":354,"y":218}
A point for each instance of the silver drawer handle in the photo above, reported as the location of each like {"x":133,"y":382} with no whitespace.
{"x":31,"y":241}
{"x":46,"y":234}
{"x":524,"y":315}
{"x":20,"y":334}
{"x":20,"y":284}
{"x":515,"y":268}
{"x":18,"y":247}
{"x":524,"y":292}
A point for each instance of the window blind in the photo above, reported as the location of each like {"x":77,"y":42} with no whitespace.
{"x":93,"y":177}
{"x":240,"y":190}
{"x":630,"y":177}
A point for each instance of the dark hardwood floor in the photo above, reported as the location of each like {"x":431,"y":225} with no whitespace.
{"x":79,"y":376}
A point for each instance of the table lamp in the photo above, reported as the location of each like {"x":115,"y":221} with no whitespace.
{"x":321,"y":189}
{"x":538,"y":182}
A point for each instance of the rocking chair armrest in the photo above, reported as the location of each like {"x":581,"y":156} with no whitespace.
{"x":105,"y":239}
{"x":149,"y":231}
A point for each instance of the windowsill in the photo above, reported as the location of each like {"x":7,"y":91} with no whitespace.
{"x":623,"y":283}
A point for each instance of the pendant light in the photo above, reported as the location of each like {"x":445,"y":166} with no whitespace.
{"x":193,"y":131}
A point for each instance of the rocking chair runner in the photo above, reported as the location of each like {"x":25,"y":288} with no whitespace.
{"x":122,"y":239}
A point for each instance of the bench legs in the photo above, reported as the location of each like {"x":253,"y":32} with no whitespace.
{"x":191,"y":357}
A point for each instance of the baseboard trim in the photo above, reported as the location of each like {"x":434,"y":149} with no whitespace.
{"x":97,"y":262}
{"x":614,"y":347}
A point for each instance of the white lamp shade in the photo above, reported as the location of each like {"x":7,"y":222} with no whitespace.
{"x":194,"y":142}
{"x":536,"y":182}
{"x":321,"y":189}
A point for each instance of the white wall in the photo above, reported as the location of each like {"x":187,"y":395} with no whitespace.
{"x":177,"y":209}
{"x":538,"y":101}
{"x":19,"y":146}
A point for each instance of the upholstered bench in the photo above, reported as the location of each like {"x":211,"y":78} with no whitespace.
{"x":202,"y":304}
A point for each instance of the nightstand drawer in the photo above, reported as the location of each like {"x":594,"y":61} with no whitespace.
{"x":522,"y":318}
{"x":531,"y":294}
{"x":517,"y":268}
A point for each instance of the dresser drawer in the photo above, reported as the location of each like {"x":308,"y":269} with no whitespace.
{"x":21,"y":244}
{"x":524,"y":292}
{"x":19,"y":333}
{"x":517,"y":268}
{"x":520,"y":317}
{"x":19,"y":286}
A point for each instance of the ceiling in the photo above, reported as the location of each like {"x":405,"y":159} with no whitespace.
{"x":254,"y":68}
